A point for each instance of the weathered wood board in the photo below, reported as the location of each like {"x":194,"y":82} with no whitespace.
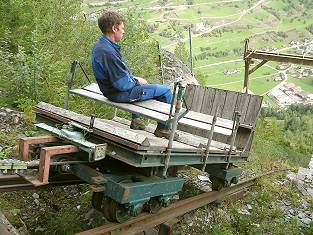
{"x":116,"y":132}
{"x":227,"y":103}
{"x":183,"y":137}
{"x":125,"y":106}
{"x":98,"y":124}
{"x":203,"y":102}
{"x":159,"y":111}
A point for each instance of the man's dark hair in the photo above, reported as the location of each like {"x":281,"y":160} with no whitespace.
{"x":109,"y":19}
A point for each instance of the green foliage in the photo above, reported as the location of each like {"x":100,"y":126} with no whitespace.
{"x":310,"y":28}
{"x":139,"y":49}
{"x":17,"y":20}
{"x":217,"y":230}
{"x":35,"y":62}
{"x":269,"y":150}
{"x":181,"y":52}
{"x":26,"y":105}
{"x":297,"y":124}
{"x":283,"y":138}
{"x":200,"y":76}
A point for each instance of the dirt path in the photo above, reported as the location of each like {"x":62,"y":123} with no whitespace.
{"x":244,"y":12}
{"x":191,"y":5}
{"x":184,"y":7}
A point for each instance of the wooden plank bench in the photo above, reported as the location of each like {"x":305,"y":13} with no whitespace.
{"x":202,"y":103}
{"x":159,"y":111}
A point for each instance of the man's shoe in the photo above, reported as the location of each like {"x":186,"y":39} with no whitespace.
{"x":164,"y":133}
{"x":137,"y":124}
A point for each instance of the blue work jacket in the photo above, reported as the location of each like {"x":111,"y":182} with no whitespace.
{"x":113,"y":77}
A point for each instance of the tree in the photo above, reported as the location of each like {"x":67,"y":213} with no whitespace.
{"x":139,"y":49}
{"x":181,"y":52}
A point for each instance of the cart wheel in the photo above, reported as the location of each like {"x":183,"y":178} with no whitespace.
{"x":153,"y":206}
{"x":113,"y":211}
{"x":96,"y":200}
{"x":218,"y":184}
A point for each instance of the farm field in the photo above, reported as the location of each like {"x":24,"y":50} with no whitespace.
{"x":219,"y":29}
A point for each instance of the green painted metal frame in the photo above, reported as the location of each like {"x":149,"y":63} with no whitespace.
{"x":95,"y":151}
{"x":229,"y":175}
{"x":177,"y":159}
{"x":156,"y":157}
{"x":131,"y":193}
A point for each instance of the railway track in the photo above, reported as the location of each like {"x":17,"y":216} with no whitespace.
{"x":16,"y":182}
{"x":147,"y":221}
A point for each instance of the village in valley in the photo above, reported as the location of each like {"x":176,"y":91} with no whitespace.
{"x":286,"y":92}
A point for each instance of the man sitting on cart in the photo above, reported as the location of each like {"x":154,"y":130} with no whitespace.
{"x":114,"y":77}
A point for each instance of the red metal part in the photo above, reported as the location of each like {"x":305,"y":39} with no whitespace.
{"x":46,"y":154}
{"x":4,"y":230}
{"x":25,"y":142}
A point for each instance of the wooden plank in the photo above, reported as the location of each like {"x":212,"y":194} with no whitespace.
{"x":189,"y":94}
{"x":125,"y":106}
{"x":208,"y":100}
{"x":253,"y":110}
{"x":230,"y":104}
{"x":197,"y":99}
{"x":218,"y":102}
{"x":195,"y":116}
{"x":93,"y":87}
{"x":184,"y":137}
{"x":108,"y":138}
{"x":153,"y":140}
{"x":98,"y":124}
{"x":203,"y":126}
{"x":242,"y":105}
{"x":153,"y":105}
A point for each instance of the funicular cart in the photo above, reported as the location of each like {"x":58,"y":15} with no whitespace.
{"x":131,"y":170}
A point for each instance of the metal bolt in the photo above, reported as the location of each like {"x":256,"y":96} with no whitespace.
{"x":66,"y":168}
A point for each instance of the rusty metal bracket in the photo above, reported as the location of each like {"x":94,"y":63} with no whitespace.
{"x":46,"y":154}
{"x":26,"y":141}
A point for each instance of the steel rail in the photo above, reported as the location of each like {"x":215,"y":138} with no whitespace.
{"x":145,"y":221}
{"x":14,"y":183}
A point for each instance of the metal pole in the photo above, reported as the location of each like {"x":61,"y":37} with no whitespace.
{"x":233,"y":136}
{"x":174,"y":122}
{"x":210,"y":137}
{"x":161,"y":62}
{"x":247,"y":66}
{"x":190,"y":50}
{"x":70,"y":83}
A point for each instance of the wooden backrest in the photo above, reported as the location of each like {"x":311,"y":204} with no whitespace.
{"x":207,"y":99}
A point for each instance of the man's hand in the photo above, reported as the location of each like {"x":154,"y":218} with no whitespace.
{"x":141,"y":80}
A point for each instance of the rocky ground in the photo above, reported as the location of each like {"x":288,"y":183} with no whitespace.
{"x":303,"y":180}
{"x":280,"y":201}
{"x":174,"y":70}
{"x":10,"y":119}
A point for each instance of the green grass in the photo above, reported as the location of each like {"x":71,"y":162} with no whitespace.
{"x":306,"y":83}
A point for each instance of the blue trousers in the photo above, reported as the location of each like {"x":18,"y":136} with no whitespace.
{"x":140,"y":93}
{"x":155,"y":91}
